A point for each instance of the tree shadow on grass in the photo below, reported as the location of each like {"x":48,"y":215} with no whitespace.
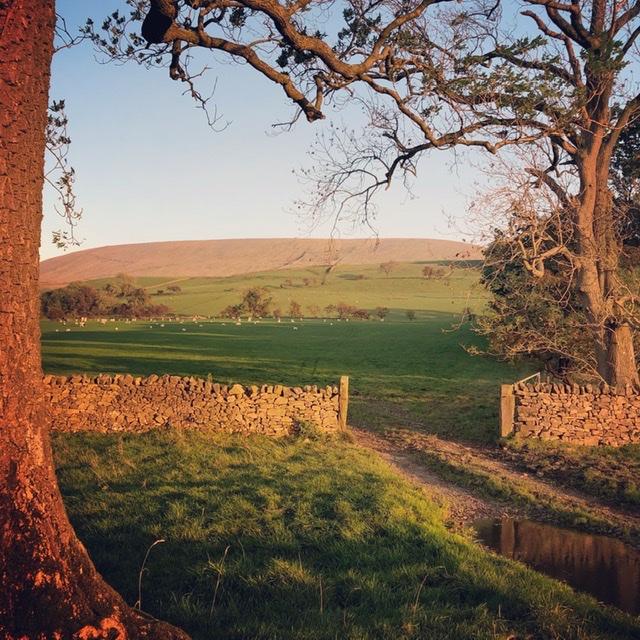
{"x":294,"y":539}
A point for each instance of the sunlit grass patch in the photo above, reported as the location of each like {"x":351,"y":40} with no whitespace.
{"x":297,"y":538}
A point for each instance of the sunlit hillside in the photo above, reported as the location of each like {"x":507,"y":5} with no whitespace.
{"x":215,"y":258}
{"x":451,"y":290}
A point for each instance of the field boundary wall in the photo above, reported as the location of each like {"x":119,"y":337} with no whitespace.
{"x":577,"y":414}
{"x":124,"y":403}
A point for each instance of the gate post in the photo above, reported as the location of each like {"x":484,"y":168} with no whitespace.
{"x":343,"y":402}
{"x":507,"y":410}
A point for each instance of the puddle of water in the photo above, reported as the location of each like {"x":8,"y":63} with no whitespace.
{"x":606,"y":568}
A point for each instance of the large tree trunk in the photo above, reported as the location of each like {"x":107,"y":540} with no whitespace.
{"x":598,"y":251}
{"x":622,"y":358}
{"x":48,"y":585}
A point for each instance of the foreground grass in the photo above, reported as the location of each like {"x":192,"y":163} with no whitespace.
{"x":298,"y":539}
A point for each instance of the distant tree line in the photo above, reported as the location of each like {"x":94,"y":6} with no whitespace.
{"x":120,"y":299}
{"x":430,"y":272}
{"x":257,"y":303}
{"x":343,"y":311}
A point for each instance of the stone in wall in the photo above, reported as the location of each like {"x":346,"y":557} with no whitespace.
{"x":124,"y":403}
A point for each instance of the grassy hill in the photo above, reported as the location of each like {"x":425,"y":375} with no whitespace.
{"x":217,"y":258}
{"x":362,"y":286}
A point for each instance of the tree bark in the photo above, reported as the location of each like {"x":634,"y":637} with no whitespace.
{"x":598,"y":252}
{"x":48,"y":586}
{"x":622,"y":360}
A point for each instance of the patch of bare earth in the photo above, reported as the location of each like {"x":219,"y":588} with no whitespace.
{"x":459,"y":504}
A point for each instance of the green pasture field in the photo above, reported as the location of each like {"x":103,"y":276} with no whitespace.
{"x":421,"y":367}
{"x":302,"y":538}
{"x":365,"y":287}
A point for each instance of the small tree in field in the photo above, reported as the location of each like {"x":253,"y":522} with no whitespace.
{"x":124,"y":285}
{"x":314,"y":310}
{"x":388,"y":267}
{"x":411,"y":315}
{"x":256,"y":302}
{"x":360,"y":314}
{"x":232,"y":312}
{"x":295,"y":310}
{"x":344,"y":310}
{"x":382,"y":312}
{"x":429,"y":272}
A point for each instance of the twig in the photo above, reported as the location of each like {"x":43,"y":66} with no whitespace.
{"x":220,"y":571}
{"x":417,"y":599}
{"x":138,"y":604}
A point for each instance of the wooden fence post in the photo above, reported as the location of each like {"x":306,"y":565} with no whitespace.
{"x":343,"y":401}
{"x":507,"y":410}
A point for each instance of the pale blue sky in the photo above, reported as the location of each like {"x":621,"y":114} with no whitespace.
{"x":148,"y":167}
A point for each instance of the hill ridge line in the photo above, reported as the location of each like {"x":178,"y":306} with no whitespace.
{"x":238,"y":256}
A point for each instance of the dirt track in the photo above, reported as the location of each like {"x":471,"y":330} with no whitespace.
{"x":461,"y":478}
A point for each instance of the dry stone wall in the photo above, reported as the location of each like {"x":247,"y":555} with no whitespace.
{"x":587,"y":415}
{"x":123,"y":403}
